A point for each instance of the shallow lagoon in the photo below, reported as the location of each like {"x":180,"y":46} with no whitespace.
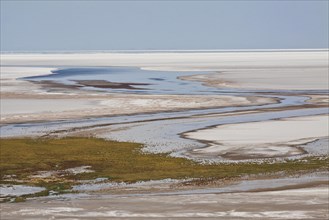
{"x":152,"y":82}
{"x":143,"y":81}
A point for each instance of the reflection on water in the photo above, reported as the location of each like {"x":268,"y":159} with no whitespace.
{"x":126,"y":80}
{"x":139,"y":81}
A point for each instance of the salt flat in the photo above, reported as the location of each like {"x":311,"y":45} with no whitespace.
{"x":271,"y":70}
{"x":248,"y":107}
{"x":262,"y":139}
{"x":49,"y":107}
{"x":278,"y":72}
{"x":250,"y":70}
{"x":305,"y":203}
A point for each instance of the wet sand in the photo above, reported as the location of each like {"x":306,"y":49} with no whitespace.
{"x":107,"y":84}
{"x":301,"y":203}
{"x":28,"y":109}
{"x":261,"y":139}
{"x":230,"y":194}
{"x":267,"y":78}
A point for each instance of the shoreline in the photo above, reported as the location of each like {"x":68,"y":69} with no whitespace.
{"x":193,"y":204}
{"x":160,"y":181}
{"x":130,"y":106}
{"x":267,"y":146}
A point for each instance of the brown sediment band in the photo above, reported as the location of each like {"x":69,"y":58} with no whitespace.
{"x":109,"y":85}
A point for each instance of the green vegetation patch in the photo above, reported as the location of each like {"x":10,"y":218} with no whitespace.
{"x":118,"y":161}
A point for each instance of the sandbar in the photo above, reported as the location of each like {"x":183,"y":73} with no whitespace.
{"x":265,"y":139}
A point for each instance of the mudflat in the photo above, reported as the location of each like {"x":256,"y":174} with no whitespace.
{"x":167,"y":134}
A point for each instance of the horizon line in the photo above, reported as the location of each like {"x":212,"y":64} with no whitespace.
{"x":165,"y":50}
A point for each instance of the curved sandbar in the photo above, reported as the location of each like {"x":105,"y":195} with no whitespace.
{"x":265,"y":139}
{"x":269,"y":78}
{"x":49,"y":109}
{"x":269,"y":71}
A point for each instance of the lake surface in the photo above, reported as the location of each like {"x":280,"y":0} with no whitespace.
{"x":141,"y":81}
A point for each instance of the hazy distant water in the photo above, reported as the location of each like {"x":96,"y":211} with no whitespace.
{"x":159,"y":82}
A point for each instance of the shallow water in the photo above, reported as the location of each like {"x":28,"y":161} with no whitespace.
{"x":18,"y":190}
{"x":163,"y":136}
{"x":157,"y":82}
{"x":43,"y":128}
{"x":160,"y":132}
{"x":241,"y":186}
